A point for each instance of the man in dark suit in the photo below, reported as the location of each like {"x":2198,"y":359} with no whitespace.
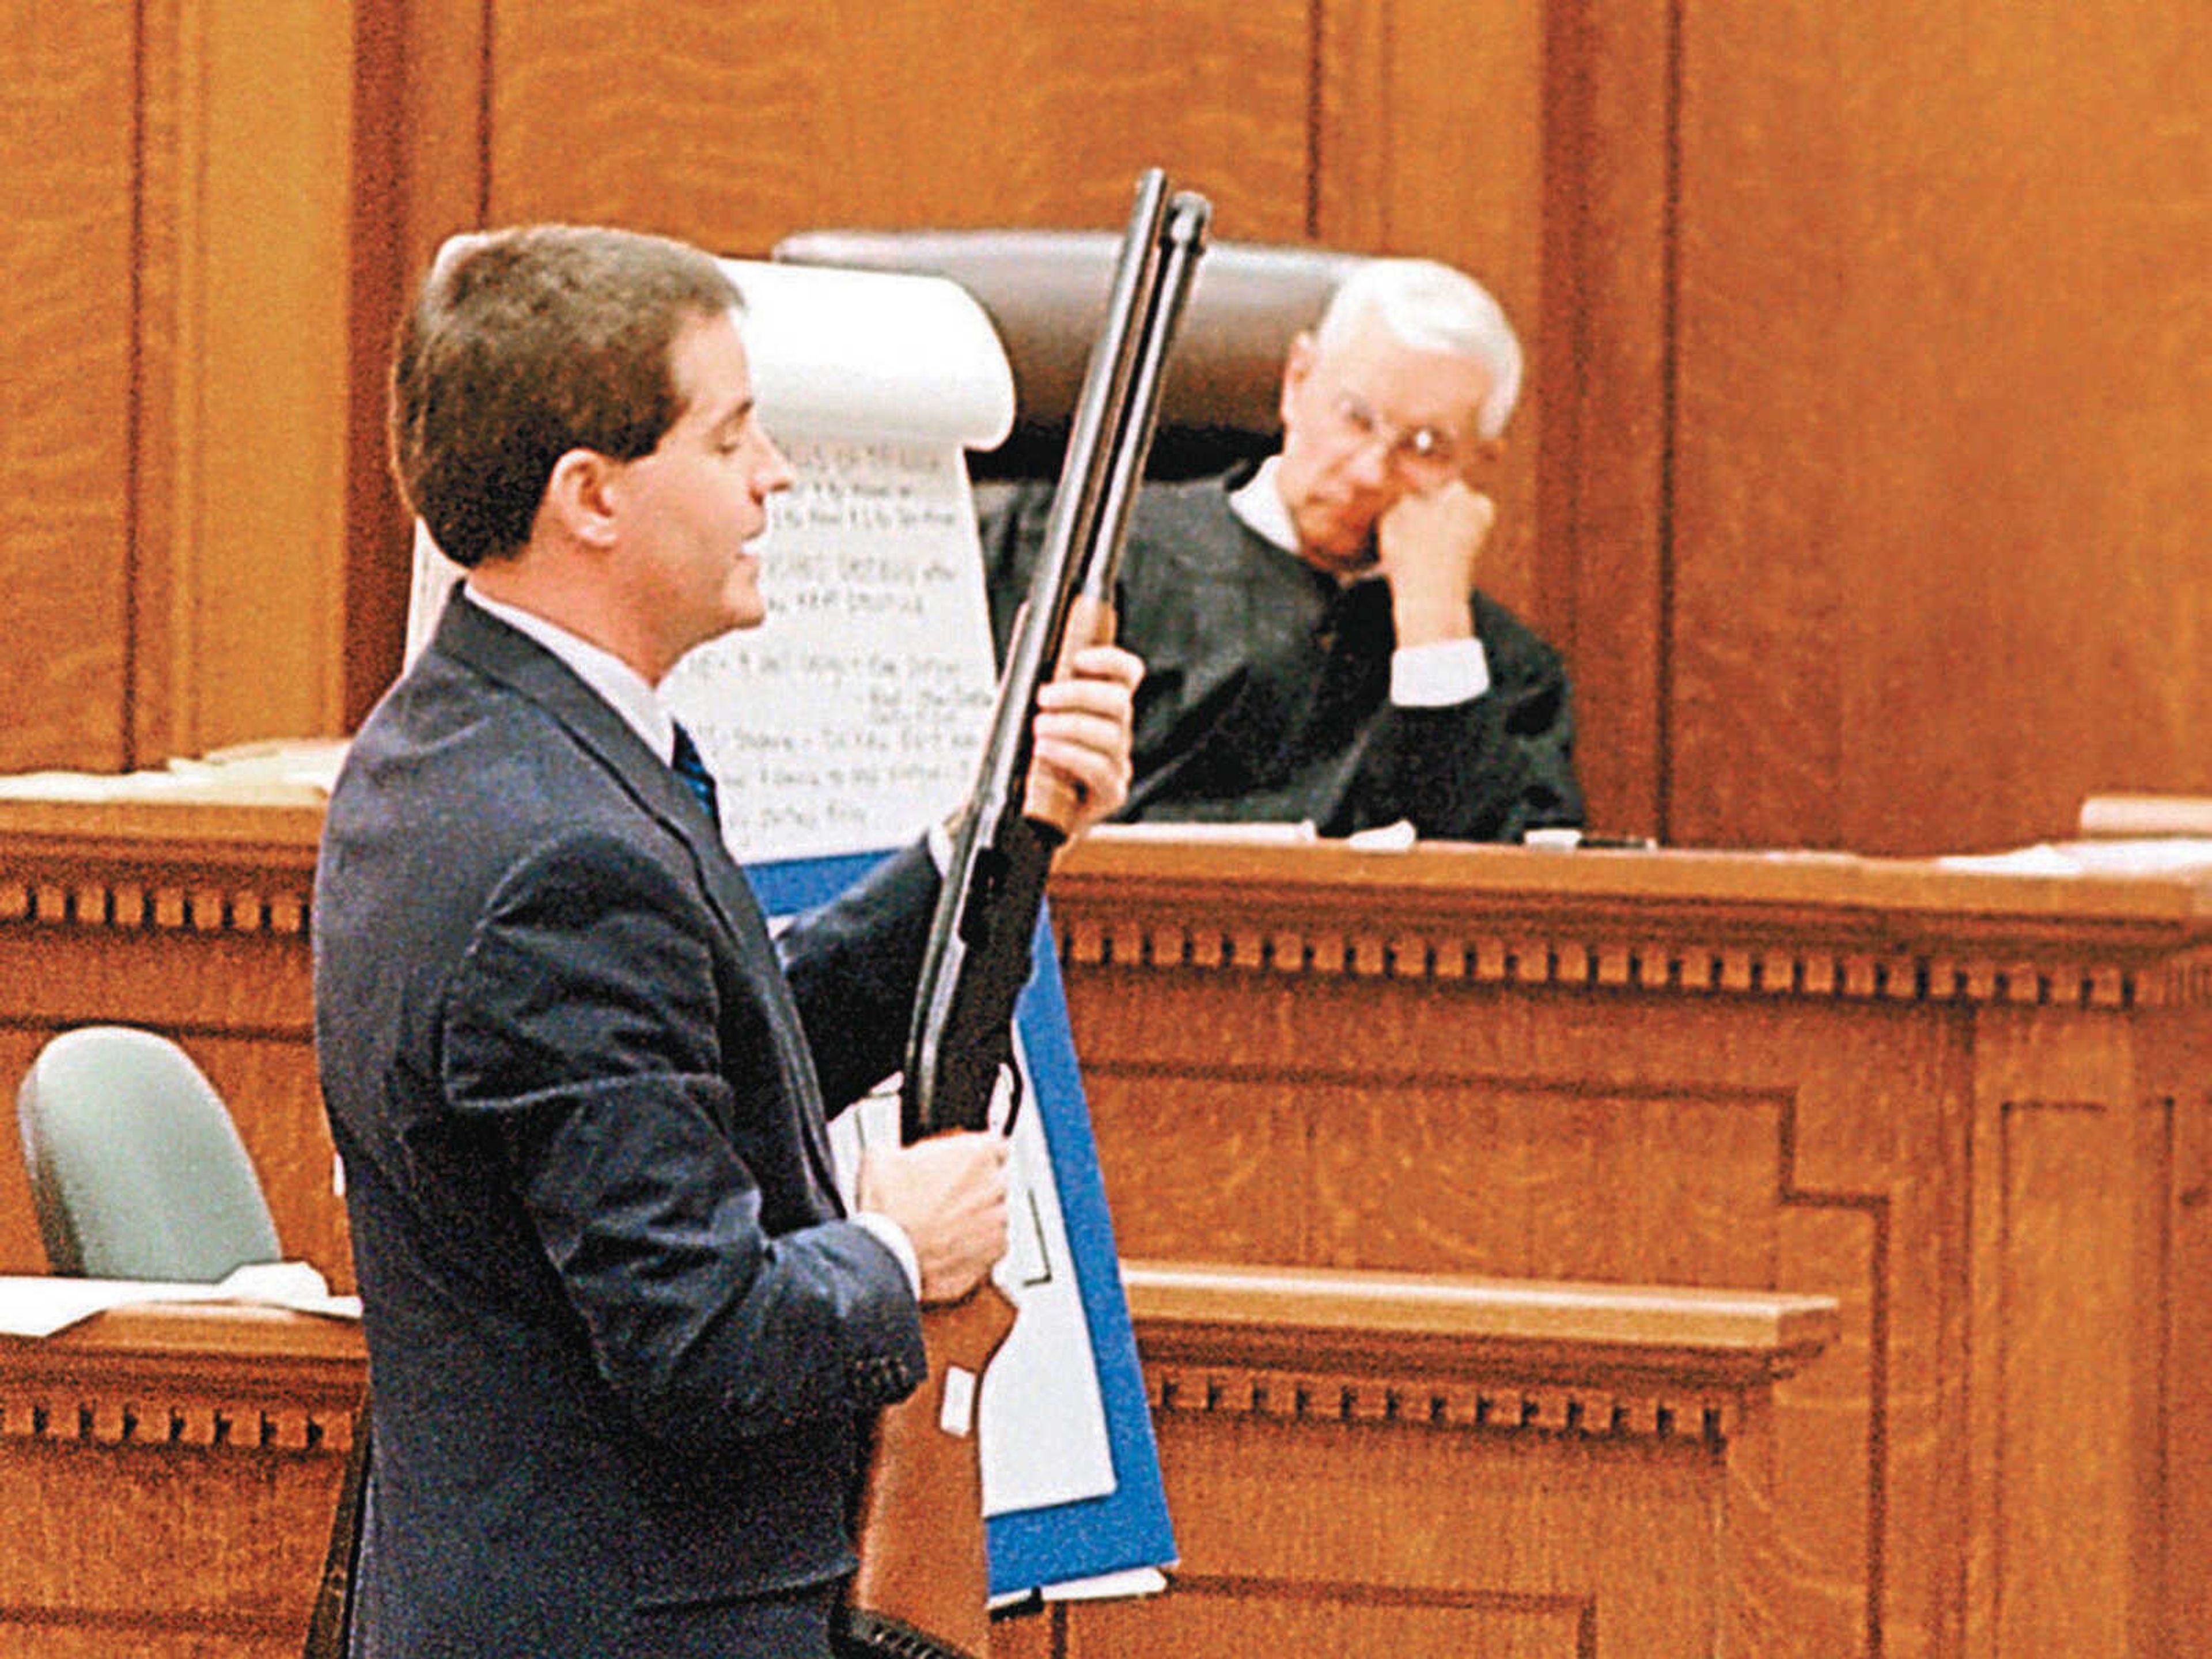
{"x":623,"y":1340}
{"x":1316,"y":645}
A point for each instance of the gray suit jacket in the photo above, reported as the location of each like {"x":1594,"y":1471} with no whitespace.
{"x":622,"y":1344}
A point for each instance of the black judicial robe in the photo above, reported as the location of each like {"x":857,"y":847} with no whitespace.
{"x":1266,"y":690}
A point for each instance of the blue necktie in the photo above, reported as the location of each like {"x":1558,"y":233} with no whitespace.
{"x":693,"y":770}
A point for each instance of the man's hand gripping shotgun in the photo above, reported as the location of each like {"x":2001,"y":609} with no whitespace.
{"x":922,"y":1588}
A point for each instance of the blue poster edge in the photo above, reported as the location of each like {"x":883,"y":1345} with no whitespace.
{"x":1128,"y":1528}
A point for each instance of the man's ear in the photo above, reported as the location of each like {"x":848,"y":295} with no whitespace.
{"x":581,"y":497}
{"x":1298,"y":365}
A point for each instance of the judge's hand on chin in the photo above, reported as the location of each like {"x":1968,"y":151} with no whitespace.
{"x":1080,"y":768}
{"x":1428,"y":546}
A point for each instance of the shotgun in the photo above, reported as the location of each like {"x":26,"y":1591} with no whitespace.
{"x":922,"y":1589}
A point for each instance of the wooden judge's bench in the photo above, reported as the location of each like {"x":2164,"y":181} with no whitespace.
{"x":1532,"y":1252}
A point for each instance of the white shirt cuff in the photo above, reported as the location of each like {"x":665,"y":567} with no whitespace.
{"x":896,"y":1240}
{"x":1438,"y":674}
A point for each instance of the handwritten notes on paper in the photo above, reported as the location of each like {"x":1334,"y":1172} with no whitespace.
{"x":855,"y":714}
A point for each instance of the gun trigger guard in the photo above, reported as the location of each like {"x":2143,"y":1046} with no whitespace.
{"x":1010,"y":1080}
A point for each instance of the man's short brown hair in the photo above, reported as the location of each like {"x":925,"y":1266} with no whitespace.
{"x":524,"y":345}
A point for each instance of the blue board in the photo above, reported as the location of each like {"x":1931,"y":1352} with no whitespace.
{"x":1127,"y":1528}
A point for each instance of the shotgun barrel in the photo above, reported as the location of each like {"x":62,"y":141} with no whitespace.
{"x":922,"y":1589}
{"x":978,"y":955}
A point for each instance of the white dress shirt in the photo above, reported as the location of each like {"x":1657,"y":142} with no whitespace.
{"x":627,"y":692}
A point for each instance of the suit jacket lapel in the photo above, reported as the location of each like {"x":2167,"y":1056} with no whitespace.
{"x":488,"y":646}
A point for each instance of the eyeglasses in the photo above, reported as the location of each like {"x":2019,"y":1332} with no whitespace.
{"x":1425,"y":452}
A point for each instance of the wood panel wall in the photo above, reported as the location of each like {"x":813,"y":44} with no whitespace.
{"x":177,"y":260}
{"x":1861,"y":475}
{"x":1942,"y":559}
{"x":67,"y":267}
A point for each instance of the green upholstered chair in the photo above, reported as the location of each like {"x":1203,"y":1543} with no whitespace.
{"x":136,"y":1170}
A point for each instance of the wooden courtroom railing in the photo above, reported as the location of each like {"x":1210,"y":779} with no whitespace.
{"x":168,"y":1474}
{"x":1431,"y":1465}
{"x":1358,"y":1463}
{"x":1970,"y":1107}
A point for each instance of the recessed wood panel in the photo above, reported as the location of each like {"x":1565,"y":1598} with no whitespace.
{"x":1430,"y":140}
{"x":2065,"y":1171}
{"x":252,"y":621}
{"x":1754,"y":727}
{"x":733,"y":127}
{"x":1603,"y":363}
{"x":1747,"y":1142}
{"x":65,"y":265}
{"x":1942,"y":364}
{"x":1516,"y":1549}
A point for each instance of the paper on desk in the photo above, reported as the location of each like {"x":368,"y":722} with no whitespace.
{"x":41,"y":1305}
{"x":271,"y":772}
{"x":1138,"y":1581}
{"x":2160,"y":856}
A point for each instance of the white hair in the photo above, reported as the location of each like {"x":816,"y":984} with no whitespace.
{"x":1428,"y":307}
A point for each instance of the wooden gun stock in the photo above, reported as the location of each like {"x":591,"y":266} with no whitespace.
{"x":922,"y":1588}
{"x":922,"y":1591}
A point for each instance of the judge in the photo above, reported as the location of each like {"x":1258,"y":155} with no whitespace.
{"x":1315,"y":645}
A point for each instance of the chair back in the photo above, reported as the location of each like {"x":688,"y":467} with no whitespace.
{"x":1046,"y":292}
{"x":136,"y":1170}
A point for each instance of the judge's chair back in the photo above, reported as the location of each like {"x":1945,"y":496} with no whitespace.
{"x":1046,"y":292}
{"x":137,"y":1169}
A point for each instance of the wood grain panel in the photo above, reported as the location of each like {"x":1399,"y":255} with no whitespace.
{"x":2087,"y":1376}
{"x":20,"y":1250}
{"x":2187,"y":1419}
{"x":1754,"y":733}
{"x":2043,"y":462}
{"x":1494,"y":1174}
{"x":2066,"y":1165}
{"x":171,"y":1472}
{"x":1942,"y":367}
{"x":1765,"y":1148}
{"x":377,"y":545}
{"x":1211,"y":1208}
{"x":1209,"y":1618}
{"x":244,"y":602}
{"x":1603,"y":360}
{"x":735,"y":128}
{"x":66,"y":150}
{"x":1514,"y":1551}
{"x":224,"y":1518}
{"x":1429,"y":140}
